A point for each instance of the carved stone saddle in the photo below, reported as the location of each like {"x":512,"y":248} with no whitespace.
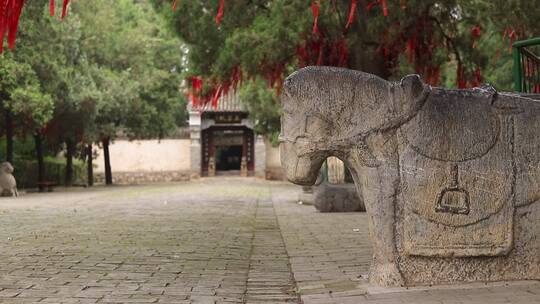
{"x":457,"y":176}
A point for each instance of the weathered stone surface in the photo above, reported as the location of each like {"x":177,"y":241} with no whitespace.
{"x":132,"y":178}
{"x":8,"y":185}
{"x":449,"y":177}
{"x":329,"y":197}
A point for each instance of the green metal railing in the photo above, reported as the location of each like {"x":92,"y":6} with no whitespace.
{"x":526,"y":65}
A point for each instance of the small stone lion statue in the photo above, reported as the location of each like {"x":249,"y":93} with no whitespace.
{"x":8,"y":185}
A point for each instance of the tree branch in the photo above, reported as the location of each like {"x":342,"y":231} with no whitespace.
{"x":448,"y":38}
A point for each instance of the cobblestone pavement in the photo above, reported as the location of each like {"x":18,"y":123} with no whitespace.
{"x":330,"y":257}
{"x":215,"y":240}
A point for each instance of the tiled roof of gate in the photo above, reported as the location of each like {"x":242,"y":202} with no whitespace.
{"x":229,"y":102}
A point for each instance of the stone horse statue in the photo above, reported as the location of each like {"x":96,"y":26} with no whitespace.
{"x":450,"y":178}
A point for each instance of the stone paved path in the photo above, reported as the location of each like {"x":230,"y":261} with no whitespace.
{"x":210,"y":241}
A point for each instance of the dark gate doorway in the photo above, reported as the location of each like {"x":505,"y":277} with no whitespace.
{"x":228,"y":158}
{"x":227,"y":147}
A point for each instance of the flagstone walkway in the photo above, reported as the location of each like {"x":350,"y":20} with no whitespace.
{"x":218,"y":240}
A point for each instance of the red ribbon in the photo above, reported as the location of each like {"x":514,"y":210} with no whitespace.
{"x":512,"y":36}
{"x":315,"y":6}
{"x":196,"y":87}
{"x":385,"y":7}
{"x":10,"y":12}
{"x":196,"y":83}
{"x":477,"y":77}
{"x":174,"y":6}
{"x":216,"y":97}
{"x":461,"y":81}
{"x":476,"y":32}
{"x":64,"y":8}
{"x":352,"y":13}
{"x":51,"y":7}
{"x":219,"y":15}
{"x":410,"y":50}
{"x":17,"y":6}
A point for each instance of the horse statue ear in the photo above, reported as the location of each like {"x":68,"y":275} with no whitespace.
{"x":413,"y":86}
{"x":414,"y":93}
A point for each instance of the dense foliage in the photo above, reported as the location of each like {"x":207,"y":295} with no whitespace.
{"x":451,"y":43}
{"x":110,"y":67}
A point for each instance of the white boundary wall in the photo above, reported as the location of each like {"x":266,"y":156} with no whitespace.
{"x":167,"y":155}
{"x":147,"y":156}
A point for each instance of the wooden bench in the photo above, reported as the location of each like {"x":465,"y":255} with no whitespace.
{"x":49,"y":185}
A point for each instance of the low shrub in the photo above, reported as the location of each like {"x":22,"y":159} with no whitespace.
{"x":26,"y":171}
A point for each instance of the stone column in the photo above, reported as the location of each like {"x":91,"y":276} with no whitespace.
{"x":195,"y":149}
{"x":260,"y":157}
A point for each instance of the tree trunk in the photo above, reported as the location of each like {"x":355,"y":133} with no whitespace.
{"x":41,"y":162}
{"x":106,"y":156}
{"x":70,"y":149}
{"x":90,"y":165}
{"x":9,"y":136}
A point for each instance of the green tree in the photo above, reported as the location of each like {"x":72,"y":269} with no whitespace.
{"x":134,"y":63}
{"x":8,"y":83}
{"x":25,"y":105}
{"x":50,"y":57}
{"x":448,"y":42}
{"x":109,"y":67}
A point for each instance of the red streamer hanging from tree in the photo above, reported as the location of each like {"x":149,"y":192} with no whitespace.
{"x":213,"y":90}
{"x":319,"y":50}
{"x":217,"y":94}
{"x":219,"y":15}
{"x":10,"y":12}
{"x":196,"y":87}
{"x":385,"y":7}
{"x":175,"y":3}
{"x":512,"y":36}
{"x":461,"y":81}
{"x":476,"y":32}
{"x":64,"y":8}
{"x":477,"y":81}
{"x":352,"y":14}
{"x":52,"y":6}
{"x":315,"y":7}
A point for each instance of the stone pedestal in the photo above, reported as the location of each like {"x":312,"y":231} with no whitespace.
{"x":211,"y":167}
{"x":260,"y":157}
{"x":243,"y":167}
{"x":195,"y":149}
